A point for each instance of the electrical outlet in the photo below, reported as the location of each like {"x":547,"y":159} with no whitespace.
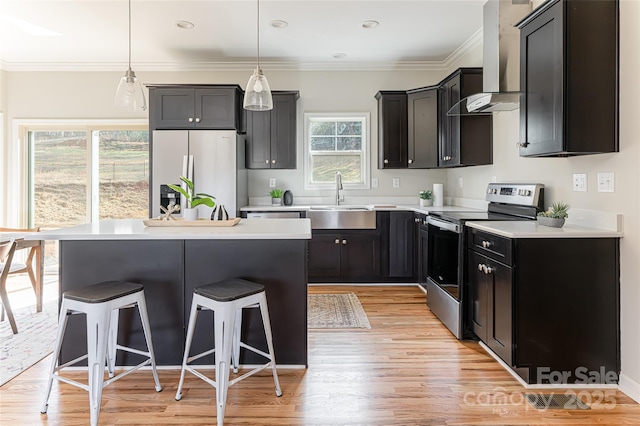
{"x":606,"y":182}
{"x":272,"y":182}
{"x":494,"y":179}
{"x":396,"y":182}
{"x":374,"y":182}
{"x":460,"y":183}
{"x":580,"y":182}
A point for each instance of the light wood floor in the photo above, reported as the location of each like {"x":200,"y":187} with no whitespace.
{"x":406,"y":370}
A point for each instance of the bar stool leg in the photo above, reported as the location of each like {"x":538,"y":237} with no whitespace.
{"x":187,"y":347}
{"x":97,"y":329}
{"x":62,"y":325}
{"x":237,"y":334}
{"x":224,"y":330}
{"x":112,"y":342}
{"x":142,"y":310}
{"x":264,"y":311}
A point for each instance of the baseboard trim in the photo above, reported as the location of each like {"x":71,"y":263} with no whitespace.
{"x":629,"y":387}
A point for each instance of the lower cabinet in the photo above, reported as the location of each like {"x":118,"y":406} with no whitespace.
{"x":490,"y":287}
{"x":401,"y":244}
{"x":344,"y":255}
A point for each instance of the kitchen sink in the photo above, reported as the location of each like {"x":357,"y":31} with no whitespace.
{"x":342,"y":217}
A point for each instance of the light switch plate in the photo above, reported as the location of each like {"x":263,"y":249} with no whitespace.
{"x":460,"y":183}
{"x":606,"y":182}
{"x":580,"y":182}
{"x":374,"y":182}
{"x":396,"y":182}
{"x":272,"y":182}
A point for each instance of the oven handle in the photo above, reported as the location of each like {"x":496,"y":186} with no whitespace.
{"x":447,"y":226}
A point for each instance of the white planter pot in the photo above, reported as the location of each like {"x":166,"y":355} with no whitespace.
{"x":425,"y":203}
{"x":552,"y":222}
{"x":190,"y":214}
{"x":276,"y":201}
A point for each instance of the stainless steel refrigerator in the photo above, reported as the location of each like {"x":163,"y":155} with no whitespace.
{"x":212,"y":159}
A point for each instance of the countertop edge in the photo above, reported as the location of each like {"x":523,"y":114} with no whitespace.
{"x":531,"y":229}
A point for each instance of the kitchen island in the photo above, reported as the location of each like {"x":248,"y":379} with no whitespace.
{"x":171,"y":261}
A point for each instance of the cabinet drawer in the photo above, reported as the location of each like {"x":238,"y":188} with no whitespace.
{"x":493,"y":246}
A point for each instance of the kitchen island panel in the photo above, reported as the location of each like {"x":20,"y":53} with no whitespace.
{"x":157,"y":265}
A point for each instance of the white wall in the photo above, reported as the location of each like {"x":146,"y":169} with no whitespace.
{"x":90,"y":95}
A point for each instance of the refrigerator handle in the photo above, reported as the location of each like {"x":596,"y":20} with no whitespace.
{"x":183,"y":200}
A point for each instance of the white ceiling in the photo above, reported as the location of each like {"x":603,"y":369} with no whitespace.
{"x":93,"y":34}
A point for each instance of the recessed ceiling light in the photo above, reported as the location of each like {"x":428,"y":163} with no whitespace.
{"x":185,"y":25}
{"x":277,"y":23}
{"x":370,"y":24}
{"x":339,"y":55}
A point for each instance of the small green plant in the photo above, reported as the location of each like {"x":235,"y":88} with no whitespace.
{"x":193,"y":199}
{"x":426,"y":195}
{"x":276,"y":193}
{"x":557,"y":210}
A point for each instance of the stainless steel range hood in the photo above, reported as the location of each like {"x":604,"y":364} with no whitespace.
{"x":501,"y":60}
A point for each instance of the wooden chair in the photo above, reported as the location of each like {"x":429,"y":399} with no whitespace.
{"x":27,"y":266}
{"x":7,"y":248}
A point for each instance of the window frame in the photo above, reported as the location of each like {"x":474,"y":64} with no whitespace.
{"x":365,"y":167}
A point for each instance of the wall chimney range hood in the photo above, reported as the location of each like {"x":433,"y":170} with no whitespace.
{"x":501,"y":60}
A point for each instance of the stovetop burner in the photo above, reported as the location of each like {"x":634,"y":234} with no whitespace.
{"x":460,"y":216}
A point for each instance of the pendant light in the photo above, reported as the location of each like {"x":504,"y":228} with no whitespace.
{"x":130,"y":94}
{"x":257,"y":97}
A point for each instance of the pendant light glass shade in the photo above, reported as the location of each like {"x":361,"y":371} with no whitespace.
{"x":130,"y":94}
{"x":257,"y":96}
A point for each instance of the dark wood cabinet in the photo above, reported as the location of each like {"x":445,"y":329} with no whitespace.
{"x":401,"y":244}
{"x":463,"y":140}
{"x":210,"y":107}
{"x":423,"y":249}
{"x":569,"y":79}
{"x":271,"y":135}
{"x":392,"y":129}
{"x":422,"y":113}
{"x":344,"y":255}
{"x":529,"y":299}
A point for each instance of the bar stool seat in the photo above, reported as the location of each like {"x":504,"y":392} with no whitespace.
{"x":101,"y":303}
{"x":227,"y":299}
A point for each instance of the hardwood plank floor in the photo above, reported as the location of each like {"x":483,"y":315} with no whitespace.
{"x":406,"y":370}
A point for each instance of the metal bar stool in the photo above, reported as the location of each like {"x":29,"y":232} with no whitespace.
{"x":227,"y":299}
{"x":101,"y":303}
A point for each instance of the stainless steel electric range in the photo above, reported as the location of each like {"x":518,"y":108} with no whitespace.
{"x":446,"y":293}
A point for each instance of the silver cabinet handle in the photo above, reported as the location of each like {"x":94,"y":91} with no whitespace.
{"x":480,"y":267}
{"x":337,"y":241}
{"x":410,"y":161}
{"x":273,"y":161}
{"x":487,"y":244}
{"x":522,"y":144}
{"x":386,"y":161}
{"x":198,"y":120}
{"x":344,"y":241}
{"x":190,"y":119}
{"x":266,"y":161}
{"x":416,"y":220}
{"x":486,"y":269}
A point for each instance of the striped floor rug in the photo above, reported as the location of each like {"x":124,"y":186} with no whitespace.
{"x":34,"y":341}
{"x":336,"y":311}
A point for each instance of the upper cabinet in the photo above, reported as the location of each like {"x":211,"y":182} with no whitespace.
{"x":569,"y":77}
{"x":392,"y":129}
{"x":211,"y":107}
{"x":464,"y":140}
{"x":271,"y":135}
{"x":422,"y":109}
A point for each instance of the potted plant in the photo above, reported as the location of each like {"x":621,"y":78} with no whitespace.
{"x":555,"y":215}
{"x":276,"y":197}
{"x":426,"y":198}
{"x":193,"y":199}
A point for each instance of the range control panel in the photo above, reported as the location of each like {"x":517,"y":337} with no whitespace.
{"x":523,"y":194}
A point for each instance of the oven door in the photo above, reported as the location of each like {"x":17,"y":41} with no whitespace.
{"x":444,"y":255}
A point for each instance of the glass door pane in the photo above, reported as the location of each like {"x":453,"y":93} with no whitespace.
{"x":123,"y":174}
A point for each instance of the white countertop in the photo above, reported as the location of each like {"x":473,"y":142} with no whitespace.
{"x":134,"y":229}
{"x":531,"y":229}
{"x":379,"y":206}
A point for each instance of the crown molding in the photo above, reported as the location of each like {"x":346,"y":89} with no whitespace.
{"x":465,"y":48}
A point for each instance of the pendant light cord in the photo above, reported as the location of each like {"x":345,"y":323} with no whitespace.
{"x":258,"y":31}
{"x":129,"y":35}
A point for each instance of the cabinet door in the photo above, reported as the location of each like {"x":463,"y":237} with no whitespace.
{"x":392,"y":130}
{"x":500,"y":318}
{"x":423,"y":256}
{"x":401,"y":244}
{"x":324,"y":256}
{"x":258,"y":140}
{"x":216,"y":108}
{"x":541,"y":80}
{"x":478,"y":294}
{"x":283,"y":132}
{"x":360,"y":256}
{"x":423,"y":129}
{"x":449,"y":125}
{"x":173,"y":108}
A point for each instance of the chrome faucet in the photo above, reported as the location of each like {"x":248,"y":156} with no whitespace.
{"x":338,"y":187}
